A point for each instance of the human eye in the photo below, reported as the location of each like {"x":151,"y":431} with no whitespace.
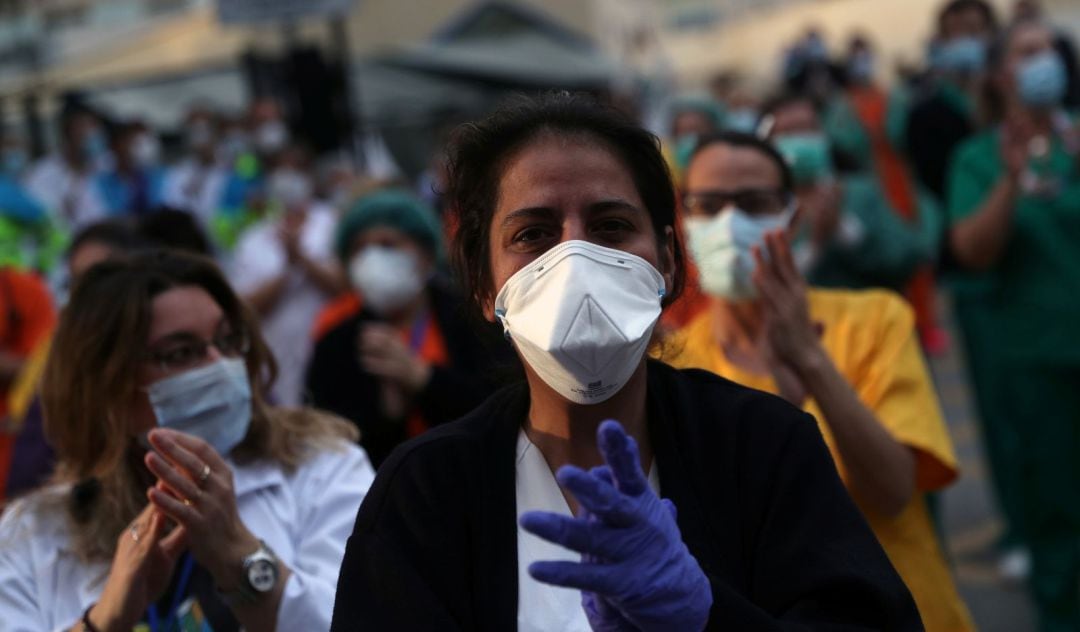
{"x":612,"y":228}
{"x":179,"y":354}
{"x":532,"y":236}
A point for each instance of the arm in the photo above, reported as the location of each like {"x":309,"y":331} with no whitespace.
{"x":329,"y":501}
{"x":400,"y":526}
{"x":979,"y":240}
{"x":264,"y":298}
{"x":881,"y":470}
{"x":326,"y":277}
{"x":816,"y":563}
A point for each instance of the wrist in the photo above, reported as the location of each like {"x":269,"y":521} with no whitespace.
{"x":229,"y":573}
{"x":100,"y":617}
{"x":420,"y":375}
{"x":810,"y":361}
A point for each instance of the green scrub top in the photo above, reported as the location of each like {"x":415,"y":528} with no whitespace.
{"x":1033,"y":292}
{"x":875,"y":246}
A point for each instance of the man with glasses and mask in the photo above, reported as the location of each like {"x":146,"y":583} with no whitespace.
{"x":850,"y":358}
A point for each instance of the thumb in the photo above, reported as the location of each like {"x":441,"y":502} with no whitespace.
{"x":175,"y":543}
{"x":671,"y":508}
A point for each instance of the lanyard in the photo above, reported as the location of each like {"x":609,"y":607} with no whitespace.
{"x":419,"y":332}
{"x":178,"y":595}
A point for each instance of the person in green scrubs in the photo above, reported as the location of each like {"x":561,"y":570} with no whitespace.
{"x":852,"y":237}
{"x":1014,"y":208}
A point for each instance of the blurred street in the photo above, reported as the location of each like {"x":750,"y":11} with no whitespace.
{"x":969,"y":511}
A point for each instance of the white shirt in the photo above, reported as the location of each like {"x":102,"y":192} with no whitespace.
{"x":304,"y":516}
{"x":73,"y":198}
{"x":543,"y":607}
{"x":260,"y":258}
{"x":196,"y":188}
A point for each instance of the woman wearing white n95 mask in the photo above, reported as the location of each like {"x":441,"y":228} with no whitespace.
{"x":181,"y":498}
{"x":395,"y":355}
{"x":566,"y":237}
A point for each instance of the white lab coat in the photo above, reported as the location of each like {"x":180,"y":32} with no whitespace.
{"x":305,"y":517}
{"x":196,"y":188}
{"x":260,"y":258}
{"x":73,"y":199}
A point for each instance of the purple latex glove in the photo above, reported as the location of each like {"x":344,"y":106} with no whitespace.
{"x":635,"y":572}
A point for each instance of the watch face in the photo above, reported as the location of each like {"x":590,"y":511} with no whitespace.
{"x":262,"y":575}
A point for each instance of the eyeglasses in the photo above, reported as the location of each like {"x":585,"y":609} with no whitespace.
{"x":750,"y":201}
{"x":184,"y":351}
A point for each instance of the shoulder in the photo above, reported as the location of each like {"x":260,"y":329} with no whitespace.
{"x":36,"y":521}
{"x":977,"y":148}
{"x":860,"y":306}
{"x":719,"y":403}
{"x":334,"y":458}
{"x":443,"y":462}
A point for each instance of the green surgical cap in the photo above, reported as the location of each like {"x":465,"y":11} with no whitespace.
{"x":394,"y":208}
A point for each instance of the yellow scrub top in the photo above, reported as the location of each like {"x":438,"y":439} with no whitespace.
{"x":870,"y":336}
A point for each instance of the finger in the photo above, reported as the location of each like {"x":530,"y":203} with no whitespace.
{"x":671,"y":508}
{"x":599,"y":497}
{"x":187,"y":451}
{"x":598,"y":578}
{"x":620,"y":452}
{"x":179,"y":511}
{"x":764,"y":282}
{"x":175,"y":542}
{"x":180,"y":484}
{"x":785,"y":260}
{"x":575,"y":534}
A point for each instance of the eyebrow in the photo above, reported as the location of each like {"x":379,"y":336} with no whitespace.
{"x":544,"y":212}
{"x":184,"y":335}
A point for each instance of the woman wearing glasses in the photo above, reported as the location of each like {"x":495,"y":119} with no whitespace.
{"x":181,"y":498}
{"x":850,"y":358}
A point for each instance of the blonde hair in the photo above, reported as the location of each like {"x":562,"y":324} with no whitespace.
{"x":90,"y":383}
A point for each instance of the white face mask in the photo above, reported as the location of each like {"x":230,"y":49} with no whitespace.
{"x":721,"y":247}
{"x":388,"y":279}
{"x":211,"y":402}
{"x":146,"y":150}
{"x":290,"y":187}
{"x":582,"y":316}
{"x":271,"y":136}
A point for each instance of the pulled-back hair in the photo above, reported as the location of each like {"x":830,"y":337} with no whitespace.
{"x":478,"y":153}
{"x":91,"y":380}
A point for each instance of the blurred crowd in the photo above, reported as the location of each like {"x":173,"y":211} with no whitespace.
{"x":961,"y":176}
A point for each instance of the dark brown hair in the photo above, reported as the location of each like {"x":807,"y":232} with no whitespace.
{"x":478,"y":152}
{"x":90,"y":382}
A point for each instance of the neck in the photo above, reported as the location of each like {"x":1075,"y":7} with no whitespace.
{"x":1039,"y":121}
{"x":406,"y":316}
{"x":736,"y":325}
{"x":565,"y":432}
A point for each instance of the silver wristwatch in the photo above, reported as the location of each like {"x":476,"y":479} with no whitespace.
{"x":259,"y":577}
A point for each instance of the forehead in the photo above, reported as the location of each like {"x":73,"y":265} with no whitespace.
{"x":185,"y":309}
{"x":965,"y":21}
{"x":1030,"y":36}
{"x":726,"y":167}
{"x":797,"y":115}
{"x":556,"y":169}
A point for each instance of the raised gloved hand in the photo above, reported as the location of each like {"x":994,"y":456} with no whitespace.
{"x":635,"y":572}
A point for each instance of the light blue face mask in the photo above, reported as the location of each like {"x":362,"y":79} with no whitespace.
{"x":1042,"y":80}
{"x":94,"y":144}
{"x":722,"y":249}
{"x":684,"y":150}
{"x":743,"y":120}
{"x":212,"y":402}
{"x":809,"y":155}
{"x":961,"y":55}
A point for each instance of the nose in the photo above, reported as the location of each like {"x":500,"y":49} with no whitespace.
{"x":574,"y":228}
{"x":213,"y":354}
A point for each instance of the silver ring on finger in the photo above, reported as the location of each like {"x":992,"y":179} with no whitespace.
{"x":134,"y":530}
{"x":204,"y":475}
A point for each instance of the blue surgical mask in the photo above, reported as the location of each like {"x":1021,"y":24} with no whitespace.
{"x":722,"y":249}
{"x":742,"y":120}
{"x":1042,"y":80}
{"x":861,"y":67}
{"x":684,"y":150}
{"x":94,"y":144}
{"x":962,"y":55}
{"x":212,"y":402}
{"x":809,"y":155}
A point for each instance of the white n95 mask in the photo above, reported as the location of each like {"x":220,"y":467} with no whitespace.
{"x":722,"y":249}
{"x":388,"y":279}
{"x":212,"y":402}
{"x":582,"y":316}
